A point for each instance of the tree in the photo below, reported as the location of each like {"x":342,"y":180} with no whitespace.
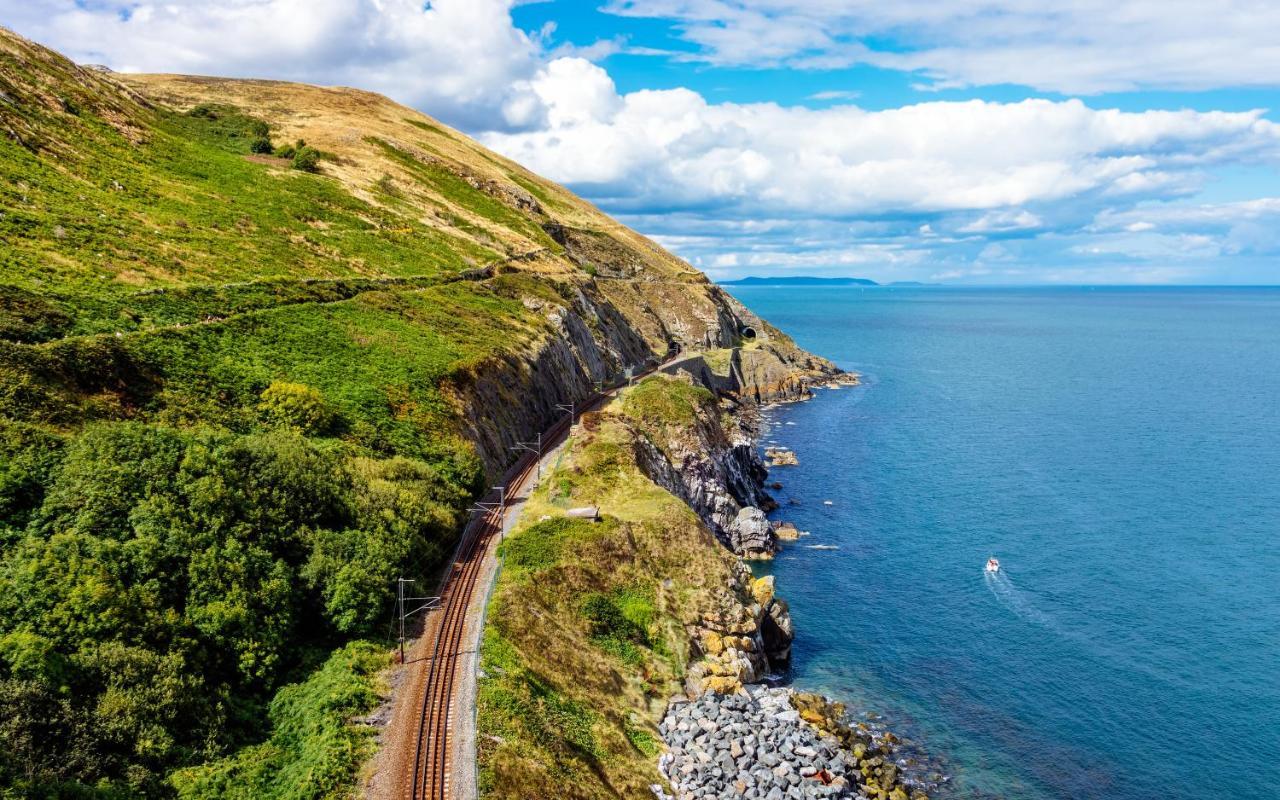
{"x":158,"y":586}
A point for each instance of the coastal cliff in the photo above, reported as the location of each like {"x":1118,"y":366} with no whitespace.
{"x":261,"y":345}
{"x":593,"y":626}
{"x":604,"y":639}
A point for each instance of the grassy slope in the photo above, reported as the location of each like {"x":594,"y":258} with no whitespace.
{"x":586,"y":635}
{"x":155,"y":281}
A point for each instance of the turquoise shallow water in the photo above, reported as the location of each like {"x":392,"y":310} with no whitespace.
{"x":1119,"y":451}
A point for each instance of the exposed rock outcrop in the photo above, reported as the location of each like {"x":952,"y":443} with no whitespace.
{"x":786,"y":531}
{"x":745,"y":636}
{"x":717,"y":472}
{"x":588,"y":342}
{"x":781,"y":458}
{"x":595,"y":333}
{"x":767,"y":372}
{"x":751,"y":534}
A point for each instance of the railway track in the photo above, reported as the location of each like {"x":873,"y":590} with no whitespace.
{"x":432,"y":746}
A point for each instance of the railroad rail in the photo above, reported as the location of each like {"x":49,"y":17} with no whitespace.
{"x":431,"y":767}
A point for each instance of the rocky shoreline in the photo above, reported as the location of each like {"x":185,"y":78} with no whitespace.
{"x":777,"y":744}
{"x":733,"y":736}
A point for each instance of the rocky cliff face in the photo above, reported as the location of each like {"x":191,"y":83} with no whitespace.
{"x":711,"y":463}
{"x":594,"y":333}
{"x":742,"y":638}
{"x":587,"y":343}
{"x":743,"y":632}
{"x":709,"y":460}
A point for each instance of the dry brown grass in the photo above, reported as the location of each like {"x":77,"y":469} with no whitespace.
{"x":342,"y":121}
{"x":662,"y":293}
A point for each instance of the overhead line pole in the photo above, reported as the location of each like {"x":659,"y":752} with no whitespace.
{"x":570,"y":406}
{"x":536,"y":449}
{"x":400,"y":582}
{"x":502,"y":513}
{"x":428,"y":604}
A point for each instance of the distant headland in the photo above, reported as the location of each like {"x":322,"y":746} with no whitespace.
{"x":812,"y":280}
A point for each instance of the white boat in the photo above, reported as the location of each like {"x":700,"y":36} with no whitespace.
{"x":993,"y":565}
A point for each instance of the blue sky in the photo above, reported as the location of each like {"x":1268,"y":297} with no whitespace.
{"x":964,"y":141}
{"x":581,"y":23}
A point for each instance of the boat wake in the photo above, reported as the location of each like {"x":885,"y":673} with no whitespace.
{"x":1024,"y":607}
{"x":1014,"y":599}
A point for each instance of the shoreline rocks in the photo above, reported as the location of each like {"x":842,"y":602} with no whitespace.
{"x":775,"y":744}
{"x":734,"y":737}
{"x":786,"y":531}
{"x":750,"y":745}
{"x":779,"y":457}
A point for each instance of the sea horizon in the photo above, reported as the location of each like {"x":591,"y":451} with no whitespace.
{"x":1045,"y":286}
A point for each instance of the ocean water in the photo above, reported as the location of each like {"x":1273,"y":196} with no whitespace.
{"x":1119,"y":451}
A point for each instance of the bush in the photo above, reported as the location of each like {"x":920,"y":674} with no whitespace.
{"x":296,"y":405}
{"x":314,"y":750}
{"x":285,"y":151}
{"x":404,"y":514}
{"x":307,"y":159}
{"x":608,"y":621}
{"x":29,"y":457}
{"x":261,"y":145}
{"x":541,"y":545}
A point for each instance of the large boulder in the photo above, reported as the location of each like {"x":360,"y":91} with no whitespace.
{"x":751,"y":534}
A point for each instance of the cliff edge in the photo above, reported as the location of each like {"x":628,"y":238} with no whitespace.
{"x":261,"y":344}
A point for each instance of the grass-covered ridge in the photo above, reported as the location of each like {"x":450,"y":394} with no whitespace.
{"x":586,"y":635}
{"x":659,"y":400}
{"x":108,"y":219}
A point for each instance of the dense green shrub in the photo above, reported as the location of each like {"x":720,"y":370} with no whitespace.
{"x":28,"y":457}
{"x":314,"y":750}
{"x":28,"y":317}
{"x":608,"y":620}
{"x":306,"y":159}
{"x":408,"y":513}
{"x":296,"y":405}
{"x":541,"y":544}
{"x":230,"y":127}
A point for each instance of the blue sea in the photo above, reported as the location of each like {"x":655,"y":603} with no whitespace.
{"x":1119,"y":451}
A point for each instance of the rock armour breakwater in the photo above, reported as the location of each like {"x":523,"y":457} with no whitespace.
{"x":774,"y":744}
{"x":750,"y":745}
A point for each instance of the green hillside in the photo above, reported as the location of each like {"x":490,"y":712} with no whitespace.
{"x":231,"y":407}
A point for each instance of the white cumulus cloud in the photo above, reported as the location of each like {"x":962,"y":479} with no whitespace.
{"x":463,"y":60}
{"x":673,"y":149}
{"x":1072,"y":46}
